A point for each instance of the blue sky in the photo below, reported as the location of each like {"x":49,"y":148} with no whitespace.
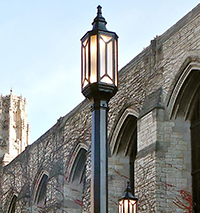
{"x":40,"y":46}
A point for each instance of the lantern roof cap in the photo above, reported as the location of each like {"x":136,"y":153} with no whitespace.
{"x":128,"y":194}
{"x":99,"y":22}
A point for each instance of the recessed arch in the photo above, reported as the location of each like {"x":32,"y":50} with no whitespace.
{"x":40,"y":189}
{"x":76,"y":177}
{"x":123,"y":142}
{"x":125,"y":130}
{"x":76,"y":166}
{"x":184,"y":102}
{"x":182,"y":92}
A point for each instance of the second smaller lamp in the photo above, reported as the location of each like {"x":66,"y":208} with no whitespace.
{"x":128,"y":203}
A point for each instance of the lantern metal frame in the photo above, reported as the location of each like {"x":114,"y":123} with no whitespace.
{"x":99,"y":68}
{"x":128,"y":203}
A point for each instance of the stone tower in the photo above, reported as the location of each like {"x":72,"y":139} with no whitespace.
{"x":14,"y":129}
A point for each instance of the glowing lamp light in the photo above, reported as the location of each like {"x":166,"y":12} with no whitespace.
{"x":128,"y":203}
{"x":99,"y":59}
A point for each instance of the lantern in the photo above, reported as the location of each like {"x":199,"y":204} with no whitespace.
{"x":128,"y":203}
{"x":99,"y":60}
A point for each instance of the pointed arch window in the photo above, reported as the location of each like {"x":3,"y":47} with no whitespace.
{"x":78,"y":169}
{"x":77,"y":177}
{"x":40,"y":196}
{"x":125,"y":141}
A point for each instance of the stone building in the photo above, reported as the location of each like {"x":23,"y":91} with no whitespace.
{"x":153,"y":134}
{"x":14,"y":129}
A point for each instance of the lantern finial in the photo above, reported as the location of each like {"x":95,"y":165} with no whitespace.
{"x":99,"y":12}
{"x":99,"y":22}
{"x":128,"y":188}
{"x":127,"y":192}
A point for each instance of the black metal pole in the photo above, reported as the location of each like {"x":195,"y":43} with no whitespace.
{"x":99,"y":170}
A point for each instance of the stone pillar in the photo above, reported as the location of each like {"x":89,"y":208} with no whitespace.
{"x":145,"y":163}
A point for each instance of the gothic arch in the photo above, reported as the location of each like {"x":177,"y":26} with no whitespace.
{"x":76,"y":176}
{"x":40,"y":189}
{"x":124,"y":140}
{"x":127,"y":119}
{"x":185,"y":101}
{"x":183,"y":89}
{"x":76,"y":166}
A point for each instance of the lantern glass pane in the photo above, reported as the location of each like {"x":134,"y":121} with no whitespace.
{"x":107,"y":80}
{"x":93,"y":55}
{"x":106,"y":38}
{"x":83,"y":64}
{"x":132,"y":202}
{"x":133,"y":205}
{"x":126,"y":206}
{"x":106,"y":59}
{"x":130,"y":207}
{"x":121,"y":206}
{"x":85,"y":69}
{"x":102,"y":57}
{"x":87,"y":61}
{"x":85,"y":83}
{"x":110,"y":59}
{"x":116,"y":63}
{"x":85,"y":42}
{"x":135,"y":208}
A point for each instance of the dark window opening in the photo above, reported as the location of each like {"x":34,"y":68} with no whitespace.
{"x":127,"y":144}
{"x":78,"y":169}
{"x":41,"y":191}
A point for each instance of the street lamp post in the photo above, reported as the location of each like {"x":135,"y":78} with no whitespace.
{"x":99,"y":79}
